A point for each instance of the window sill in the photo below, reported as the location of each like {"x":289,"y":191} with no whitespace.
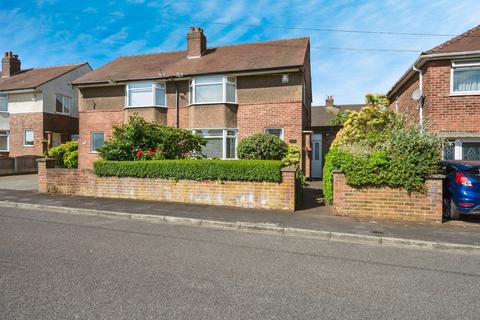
{"x":136,"y":107}
{"x":460,"y":94}
{"x":63,"y":113}
{"x":28,"y":146}
{"x":211,"y":103}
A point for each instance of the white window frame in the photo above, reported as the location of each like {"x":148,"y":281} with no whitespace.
{"x":6,"y":99}
{"x":154,"y":86}
{"x":25,"y":138}
{"x":5,"y":133}
{"x":91,"y":140}
{"x":63,"y":97}
{"x":463,"y":65}
{"x":224,"y":140}
{"x":275,"y":128}
{"x":458,"y":147}
{"x":193,"y":85}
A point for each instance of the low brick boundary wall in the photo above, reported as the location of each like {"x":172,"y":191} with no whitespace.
{"x":264,"y":195}
{"x":386,"y":202}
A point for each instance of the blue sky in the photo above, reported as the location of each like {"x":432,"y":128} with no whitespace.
{"x":51,"y":32}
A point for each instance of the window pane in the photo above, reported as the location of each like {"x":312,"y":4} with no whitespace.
{"x":97,"y":140}
{"x":316,"y":151}
{"x":59,"y":104}
{"x":140,"y":97}
{"x":209,"y":93}
{"x":159,"y":97}
{"x":231,"y":93}
{"x":466,"y":80}
{"x":67,"y":101}
{"x":231,"y":152}
{"x":449,"y":151}
{"x":275,"y":131}
{"x":214,"y":148}
{"x":3,"y":103}
{"x":3,"y":142}
{"x":28,"y":141}
{"x":140,"y":85}
{"x":209,"y":79}
{"x":471,"y":150}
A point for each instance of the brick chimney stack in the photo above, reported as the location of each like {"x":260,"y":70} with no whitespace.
{"x":329,"y":101}
{"x":10,"y":64}
{"x":196,"y":42}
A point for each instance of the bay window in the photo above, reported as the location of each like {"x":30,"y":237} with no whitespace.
{"x":146,"y":94}
{"x":3,"y":103}
{"x":221,"y":143}
{"x":465,"y":77}
{"x":213,"y":89}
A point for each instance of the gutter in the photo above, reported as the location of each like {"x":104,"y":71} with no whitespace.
{"x":422,"y":59}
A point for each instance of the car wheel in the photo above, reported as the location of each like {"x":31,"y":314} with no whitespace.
{"x":446,"y":208}
{"x":454,"y":214}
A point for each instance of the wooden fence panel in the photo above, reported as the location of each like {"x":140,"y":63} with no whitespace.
{"x":7,"y":166}
{"x":26,"y":164}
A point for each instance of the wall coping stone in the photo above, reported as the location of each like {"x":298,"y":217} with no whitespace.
{"x":288,"y":169}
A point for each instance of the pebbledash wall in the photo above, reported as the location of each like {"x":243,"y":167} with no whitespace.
{"x":260,"y":195}
{"x":389,"y":203}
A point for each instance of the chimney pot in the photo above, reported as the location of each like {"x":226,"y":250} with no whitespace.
{"x":196,"y":42}
{"x":329,"y":102}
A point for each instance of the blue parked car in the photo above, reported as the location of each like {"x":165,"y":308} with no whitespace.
{"x":461,"y":188}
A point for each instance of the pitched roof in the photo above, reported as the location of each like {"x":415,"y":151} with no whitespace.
{"x":467,"y":41}
{"x":35,"y":77}
{"x":322,"y":115}
{"x":234,"y":58}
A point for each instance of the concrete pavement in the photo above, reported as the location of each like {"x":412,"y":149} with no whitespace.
{"x":77,"y":267}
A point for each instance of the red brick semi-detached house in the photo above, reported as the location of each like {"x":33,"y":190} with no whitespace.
{"x":223,"y":93}
{"x":442,"y":92}
{"x":37,"y":106}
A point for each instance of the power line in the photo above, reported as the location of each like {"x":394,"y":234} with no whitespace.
{"x":123,"y":16}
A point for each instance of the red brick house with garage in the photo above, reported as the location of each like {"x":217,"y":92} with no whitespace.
{"x":224,"y":93}
{"x":441,"y":91}
{"x":37,"y":106}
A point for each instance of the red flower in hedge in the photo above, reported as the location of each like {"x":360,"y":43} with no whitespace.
{"x":156,"y":150}
{"x":150,"y":153}
{"x":139,"y":153}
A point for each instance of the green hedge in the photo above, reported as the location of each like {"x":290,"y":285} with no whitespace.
{"x":233,"y":170}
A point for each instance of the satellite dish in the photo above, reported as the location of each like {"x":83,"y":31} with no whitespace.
{"x":417,"y":94}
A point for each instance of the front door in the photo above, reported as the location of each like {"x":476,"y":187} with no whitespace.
{"x":317,"y":165}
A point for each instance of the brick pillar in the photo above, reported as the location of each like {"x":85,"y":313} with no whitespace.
{"x":288,"y":184}
{"x":306,"y":153}
{"x":338,"y":189}
{"x":43,"y":165}
{"x":434,"y":186}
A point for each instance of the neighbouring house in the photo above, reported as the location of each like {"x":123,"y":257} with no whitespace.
{"x":224,"y":93}
{"x":38,"y":109}
{"x":323,"y":133}
{"x":442,"y":92}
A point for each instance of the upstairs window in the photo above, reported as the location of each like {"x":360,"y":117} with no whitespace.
{"x":146,"y":94}
{"x":3,"y":103}
{"x":63,"y":104}
{"x":466,"y":77}
{"x":213,"y":89}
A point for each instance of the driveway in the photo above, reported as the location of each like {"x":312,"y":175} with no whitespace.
{"x":20,"y":182}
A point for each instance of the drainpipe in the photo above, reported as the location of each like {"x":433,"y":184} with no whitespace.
{"x":422,"y":98}
{"x":177,"y":105}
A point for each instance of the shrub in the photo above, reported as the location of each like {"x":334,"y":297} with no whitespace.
{"x":293,"y":156}
{"x":395,"y":153}
{"x":138,"y":134}
{"x":262,"y":146}
{"x":233,"y":170}
{"x":67,"y":152}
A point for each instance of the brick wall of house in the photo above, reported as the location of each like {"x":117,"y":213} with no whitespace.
{"x":388,"y":203}
{"x":254,"y":118}
{"x":403,"y":101}
{"x":446,"y":113}
{"x":18,"y":123}
{"x":266,"y":195}
{"x":95,"y":121}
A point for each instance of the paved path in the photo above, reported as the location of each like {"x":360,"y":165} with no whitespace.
{"x":452,"y":232}
{"x":56,"y":266}
{"x":19,"y":182}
